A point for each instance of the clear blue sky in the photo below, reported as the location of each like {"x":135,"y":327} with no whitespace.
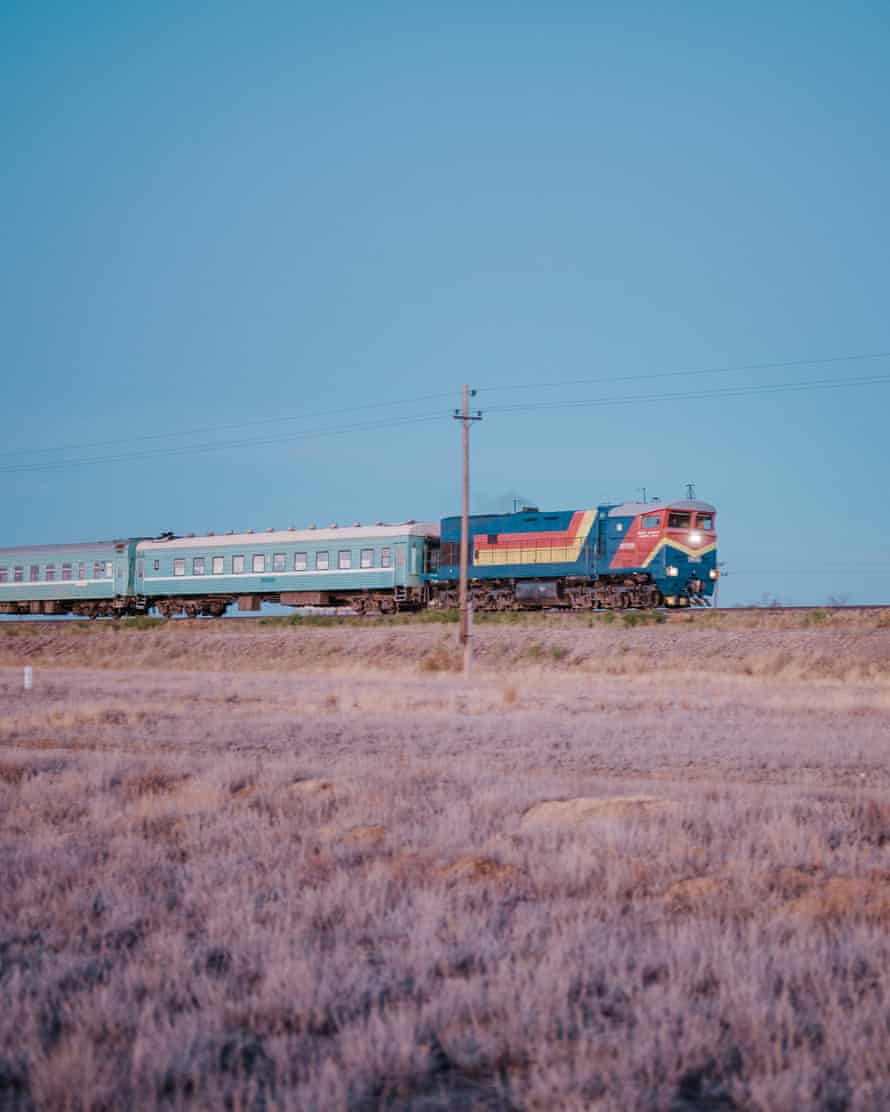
{"x":219,"y":213}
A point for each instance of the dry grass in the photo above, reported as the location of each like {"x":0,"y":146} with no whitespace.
{"x":555,"y":887}
{"x":810,"y":645}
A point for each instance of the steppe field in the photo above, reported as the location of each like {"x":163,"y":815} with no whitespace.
{"x":307,"y":865}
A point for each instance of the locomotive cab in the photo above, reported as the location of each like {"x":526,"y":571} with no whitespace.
{"x":689,"y":543}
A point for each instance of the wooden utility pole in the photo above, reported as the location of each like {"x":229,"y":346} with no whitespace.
{"x":465,"y":417}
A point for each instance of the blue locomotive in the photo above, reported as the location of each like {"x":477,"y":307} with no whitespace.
{"x":615,"y":556}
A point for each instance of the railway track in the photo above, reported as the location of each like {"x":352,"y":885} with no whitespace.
{"x":698,"y":613}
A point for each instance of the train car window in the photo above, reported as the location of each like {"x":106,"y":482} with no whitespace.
{"x":157,"y":565}
{"x":386,"y":557}
{"x":98,"y":568}
{"x":344,"y":559}
{"x":259,"y":562}
{"x":4,"y":575}
{"x":237,"y":565}
{"x":18,"y":575}
{"x":677,"y":520}
{"x":198,"y":565}
{"x":322,"y":560}
{"x":50,"y":573}
{"x":492,"y":538}
{"x":179,"y":565}
{"x":279,"y":561}
{"x":704,"y":521}
{"x":34,"y":573}
{"x":66,"y":571}
{"x":301,"y":561}
{"x":81,"y":570}
{"x":219,"y":565}
{"x":140,"y":568}
{"x":366,"y":557}
{"x":652,"y":521}
{"x":400,"y":555}
{"x":109,"y":570}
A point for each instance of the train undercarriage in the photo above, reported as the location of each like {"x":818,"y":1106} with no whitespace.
{"x":634,"y":591}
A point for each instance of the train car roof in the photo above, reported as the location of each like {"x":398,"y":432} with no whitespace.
{"x":632,"y":509}
{"x":296,"y":536}
{"x":81,"y":546}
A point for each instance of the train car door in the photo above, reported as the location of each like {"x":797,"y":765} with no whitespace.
{"x":121,"y":566}
{"x":590,"y":547}
{"x":400,"y":565}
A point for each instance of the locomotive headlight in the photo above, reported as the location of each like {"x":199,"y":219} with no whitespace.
{"x":695,"y":538}
{"x":713,"y":573}
{"x":671,"y":570}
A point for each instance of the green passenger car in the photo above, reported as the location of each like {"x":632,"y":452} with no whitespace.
{"x":372,"y":568}
{"x":90,"y":579}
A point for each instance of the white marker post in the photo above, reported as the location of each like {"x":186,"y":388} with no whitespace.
{"x":29,"y":677}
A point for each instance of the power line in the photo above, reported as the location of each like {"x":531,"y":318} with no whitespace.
{"x":155,"y":453}
{"x":549,"y":384}
{"x":732,"y":572}
{"x":725,"y":370}
{"x":504,"y":410}
{"x":82,"y":447}
{"x":723,"y":392}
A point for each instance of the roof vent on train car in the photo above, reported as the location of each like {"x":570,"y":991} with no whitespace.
{"x":211,"y":533}
{"x":270,"y":529}
{"x":190,"y":534}
{"x":529,"y":510}
{"x":333,"y":525}
{"x":356,"y":525}
{"x":410,"y":521}
{"x":311,"y":526}
{"x":250,"y":530}
{"x":168,"y":536}
{"x":230,"y":532}
{"x":379,"y":522}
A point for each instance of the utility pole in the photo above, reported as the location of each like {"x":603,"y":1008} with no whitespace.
{"x":465,"y":417}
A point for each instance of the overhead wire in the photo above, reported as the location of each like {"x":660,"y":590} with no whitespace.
{"x":395,"y":422}
{"x":201,"y":429}
{"x":723,"y":370}
{"x":806,"y":571}
{"x":216,"y":445}
{"x":721,"y":392}
{"x":494,"y":388}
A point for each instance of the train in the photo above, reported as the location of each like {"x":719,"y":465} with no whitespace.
{"x":630,"y":555}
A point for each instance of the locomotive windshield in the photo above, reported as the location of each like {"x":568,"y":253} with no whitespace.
{"x":679,"y":520}
{"x":704,"y":521}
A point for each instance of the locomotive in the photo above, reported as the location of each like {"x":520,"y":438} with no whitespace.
{"x":616,"y":556}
